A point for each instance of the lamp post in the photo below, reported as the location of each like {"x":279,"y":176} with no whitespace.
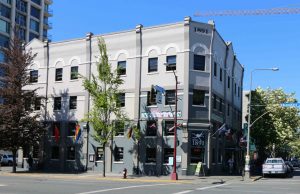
{"x":247,"y":159}
{"x":174,"y":175}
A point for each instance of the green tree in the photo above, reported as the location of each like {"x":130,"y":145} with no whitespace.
{"x":19,"y":125}
{"x":279,"y":124}
{"x":106,"y":105}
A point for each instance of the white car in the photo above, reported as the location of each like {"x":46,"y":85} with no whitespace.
{"x":275,"y":166}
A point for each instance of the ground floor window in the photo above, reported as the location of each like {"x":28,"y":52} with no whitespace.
{"x":55,"y":152}
{"x":150,"y":155}
{"x":118,"y":154}
{"x":168,"y":152}
{"x":99,"y":154}
{"x":71,"y":153}
{"x":197,"y":155}
{"x":197,"y":149}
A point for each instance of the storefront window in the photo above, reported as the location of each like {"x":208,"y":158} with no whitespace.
{"x":198,"y":139}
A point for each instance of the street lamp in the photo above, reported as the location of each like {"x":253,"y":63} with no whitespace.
{"x":247,"y":160}
{"x":174,"y":175}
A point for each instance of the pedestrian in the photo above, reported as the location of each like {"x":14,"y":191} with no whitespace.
{"x":30,"y":162}
{"x":230,"y":165}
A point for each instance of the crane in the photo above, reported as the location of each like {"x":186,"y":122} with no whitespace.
{"x":272,"y":11}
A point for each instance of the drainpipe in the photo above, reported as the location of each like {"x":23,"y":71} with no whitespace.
{"x":89,"y":59}
{"x":212,"y":23}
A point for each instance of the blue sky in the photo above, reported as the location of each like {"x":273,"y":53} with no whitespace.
{"x":259,"y":41}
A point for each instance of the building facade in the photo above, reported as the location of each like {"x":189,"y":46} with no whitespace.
{"x":209,"y":95}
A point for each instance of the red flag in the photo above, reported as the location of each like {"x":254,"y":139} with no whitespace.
{"x":56,"y":133}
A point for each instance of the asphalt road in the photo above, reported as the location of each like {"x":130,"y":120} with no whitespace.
{"x":27,"y":184}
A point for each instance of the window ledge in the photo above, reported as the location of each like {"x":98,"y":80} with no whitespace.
{"x":152,"y":73}
{"x":152,"y":106}
{"x":121,"y":162}
{"x":195,"y":70}
{"x":99,"y":161}
{"x":125,"y":75}
{"x":59,"y":81}
{"x":199,"y":106}
{"x":170,"y":71}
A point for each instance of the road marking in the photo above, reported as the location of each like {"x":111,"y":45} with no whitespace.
{"x":121,"y":188}
{"x":201,"y":189}
{"x":2,"y":185}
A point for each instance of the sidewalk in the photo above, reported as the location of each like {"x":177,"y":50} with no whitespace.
{"x":7,"y":171}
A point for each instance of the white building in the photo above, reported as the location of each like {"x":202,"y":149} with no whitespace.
{"x":209,"y":92}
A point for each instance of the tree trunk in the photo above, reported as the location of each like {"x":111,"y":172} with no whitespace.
{"x":103,"y":170}
{"x":14,"y":167}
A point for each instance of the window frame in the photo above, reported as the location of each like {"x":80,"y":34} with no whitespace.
{"x":169,"y":96}
{"x":73,"y":103}
{"x":200,"y":65}
{"x":151,"y":130}
{"x":118,"y":154}
{"x":150,"y":155}
{"x":171,"y":66}
{"x":33,"y":76}
{"x":57,"y":103}
{"x":199,"y":98}
{"x":122,"y":99}
{"x":167,"y":125}
{"x":58,"y":74}
{"x":152,"y":67}
{"x":74,"y":73}
{"x":122,"y":65}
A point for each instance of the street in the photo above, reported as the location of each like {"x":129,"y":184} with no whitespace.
{"x":23,"y":183}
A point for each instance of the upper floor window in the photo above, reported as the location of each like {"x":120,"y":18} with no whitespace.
{"x":215,"y":69}
{"x":171,"y":63}
{"x":5,"y":11}
{"x":74,"y":72}
{"x":122,"y":67}
{"x":152,"y":64}
{"x":170,"y":97}
{"x":221,"y":74}
{"x":199,"y":62}
{"x":37,"y":1}
{"x":4,"y":41}
{"x":73,"y":102}
{"x":33,"y":77}
{"x":122,"y":99}
{"x":4,"y":26}
{"x":21,"y":5}
{"x":20,"y":19}
{"x":37,"y":103}
{"x":119,"y":128}
{"x":228,"y":82}
{"x":21,"y":33}
{"x":151,"y":128}
{"x":6,"y":1}
{"x":198,"y":97}
{"x":34,"y":25}
{"x":35,"y":12}
{"x":57,"y":103}
{"x":58,"y":74}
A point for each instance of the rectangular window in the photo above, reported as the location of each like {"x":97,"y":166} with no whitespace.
{"x":198,"y":97}
{"x":151,"y":97}
{"x":199,"y":62}
{"x":170,"y":97}
{"x":58,"y":74}
{"x":73,"y":102}
{"x":169,"y":128}
{"x":215,"y":69}
{"x":150,"y":155}
{"x":32,"y":36}
{"x":168,"y":152}
{"x":71,"y":128}
{"x":4,"y":41}
{"x":197,"y":154}
{"x":119,"y":128}
{"x":215,"y":101}
{"x":5,"y":11}
{"x":171,"y":63}
{"x":35,"y":12}
{"x":118,"y":154}
{"x":122,"y":99}
{"x":38,"y":2}
{"x":6,"y":1}
{"x":228,"y":82}
{"x":74,"y":72}
{"x":99,"y":154}
{"x":20,"y":19}
{"x":221,"y":105}
{"x":71,"y":153}
{"x":57,"y":103}
{"x":122,"y":67}
{"x":33,"y":76}
{"x":4,"y":26}
{"x":21,"y":33}
{"x":152,"y":64}
{"x":55,"y":152}
{"x":151,"y":128}
{"x":34,"y":25}
{"x":21,"y":5}
{"x":221,"y":74}
{"x":37,"y":103}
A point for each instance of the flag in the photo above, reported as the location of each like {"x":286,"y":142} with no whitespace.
{"x":159,"y":89}
{"x":178,"y":125}
{"x":77,"y":133}
{"x":129,"y":134}
{"x":56,"y":133}
{"x":222,"y":129}
{"x":153,"y":125}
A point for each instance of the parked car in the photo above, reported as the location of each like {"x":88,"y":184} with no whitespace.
{"x":289,"y":166}
{"x":295,"y":162}
{"x":275,"y":166}
{"x":6,"y":159}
